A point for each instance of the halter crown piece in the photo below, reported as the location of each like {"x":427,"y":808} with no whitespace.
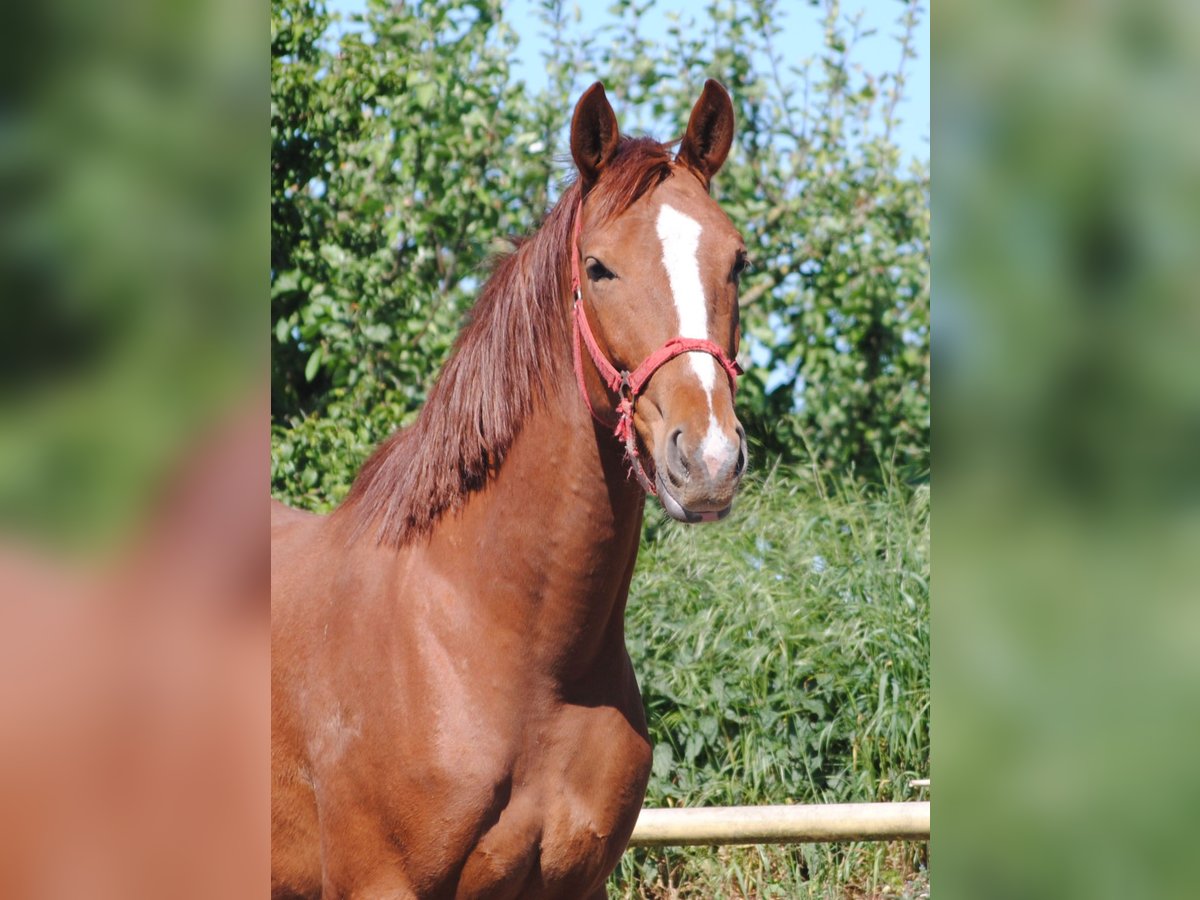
{"x":626,"y":385}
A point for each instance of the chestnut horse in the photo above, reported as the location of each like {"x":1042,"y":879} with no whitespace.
{"x":454,"y":710}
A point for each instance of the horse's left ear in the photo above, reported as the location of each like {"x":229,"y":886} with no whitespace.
{"x":709,"y":133}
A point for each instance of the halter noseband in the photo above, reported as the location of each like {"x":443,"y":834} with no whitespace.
{"x":626,"y":385}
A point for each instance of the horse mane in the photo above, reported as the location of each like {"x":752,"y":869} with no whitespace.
{"x":514,"y":345}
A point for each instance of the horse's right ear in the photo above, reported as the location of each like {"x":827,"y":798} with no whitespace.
{"x":594,"y":134}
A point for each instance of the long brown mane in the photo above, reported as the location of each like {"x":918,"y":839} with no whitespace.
{"x":515,"y":344}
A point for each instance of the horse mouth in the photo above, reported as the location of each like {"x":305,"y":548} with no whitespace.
{"x":679,"y":512}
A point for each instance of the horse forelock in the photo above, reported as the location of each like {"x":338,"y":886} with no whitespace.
{"x":514,"y":346}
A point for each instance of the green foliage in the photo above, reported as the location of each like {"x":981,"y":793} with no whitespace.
{"x":132,"y":228}
{"x":393,"y":174}
{"x":784,"y":658}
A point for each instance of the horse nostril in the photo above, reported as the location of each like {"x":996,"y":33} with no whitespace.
{"x":741,"y":460}
{"x":677,"y":464}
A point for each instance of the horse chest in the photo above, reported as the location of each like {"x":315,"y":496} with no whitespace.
{"x":561,"y":831}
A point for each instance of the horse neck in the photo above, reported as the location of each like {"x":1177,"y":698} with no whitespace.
{"x":554,"y":538}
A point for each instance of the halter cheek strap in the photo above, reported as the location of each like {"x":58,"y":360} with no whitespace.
{"x":628,"y":386}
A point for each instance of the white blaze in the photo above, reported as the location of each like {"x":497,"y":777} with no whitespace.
{"x":680,"y":236}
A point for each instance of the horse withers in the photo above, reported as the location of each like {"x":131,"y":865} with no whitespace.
{"x":454,"y":710}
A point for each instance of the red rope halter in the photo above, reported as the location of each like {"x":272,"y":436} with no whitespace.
{"x":629,"y":386}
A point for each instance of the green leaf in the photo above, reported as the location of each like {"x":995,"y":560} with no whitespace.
{"x":313,"y":364}
{"x":663,"y":761}
{"x":423,"y":93}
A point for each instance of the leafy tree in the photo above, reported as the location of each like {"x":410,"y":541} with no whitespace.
{"x":399,"y":159}
{"x":404,"y":154}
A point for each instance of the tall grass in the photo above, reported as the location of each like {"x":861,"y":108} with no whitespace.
{"x":783,"y":657}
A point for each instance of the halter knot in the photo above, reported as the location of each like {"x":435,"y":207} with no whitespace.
{"x":629,"y":386}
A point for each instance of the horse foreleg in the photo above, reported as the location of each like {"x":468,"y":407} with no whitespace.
{"x":378,"y":889}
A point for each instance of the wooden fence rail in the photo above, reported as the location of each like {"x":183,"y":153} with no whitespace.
{"x":782,"y":824}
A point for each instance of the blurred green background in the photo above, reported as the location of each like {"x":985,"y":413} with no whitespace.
{"x":1067,"y":531}
{"x":132,"y":248}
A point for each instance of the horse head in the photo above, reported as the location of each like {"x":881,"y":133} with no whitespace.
{"x":656,"y":296}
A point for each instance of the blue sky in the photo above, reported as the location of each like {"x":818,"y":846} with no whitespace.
{"x":801,"y":37}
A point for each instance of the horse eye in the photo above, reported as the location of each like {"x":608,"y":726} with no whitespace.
{"x":740,"y":265}
{"x":597,"y":271}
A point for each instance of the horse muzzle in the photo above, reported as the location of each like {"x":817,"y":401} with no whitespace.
{"x":697,"y":478}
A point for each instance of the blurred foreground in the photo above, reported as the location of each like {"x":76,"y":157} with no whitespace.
{"x":134,"y":697}
{"x":134,"y":578}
